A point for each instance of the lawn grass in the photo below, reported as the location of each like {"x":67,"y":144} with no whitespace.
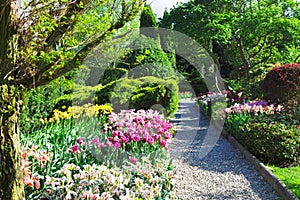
{"x":290,"y":177}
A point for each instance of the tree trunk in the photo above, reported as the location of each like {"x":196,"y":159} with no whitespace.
{"x":11,"y":177}
{"x":246,"y":63}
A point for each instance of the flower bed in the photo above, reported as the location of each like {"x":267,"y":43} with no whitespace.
{"x":270,"y":132}
{"x":266,"y":132}
{"x":99,"y":155}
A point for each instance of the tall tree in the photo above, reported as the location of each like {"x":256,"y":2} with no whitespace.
{"x":148,"y":52}
{"x":40,"y":41}
{"x":243,"y":34}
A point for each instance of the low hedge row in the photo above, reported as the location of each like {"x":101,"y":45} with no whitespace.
{"x":273,"y":143}
{"x":271,"y":138}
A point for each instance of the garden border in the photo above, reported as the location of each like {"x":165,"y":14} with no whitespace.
{"x":277,"y":184}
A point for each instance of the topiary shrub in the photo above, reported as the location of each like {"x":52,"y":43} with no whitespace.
{"x":112,"y":74}
{"x":163,"y":94}
{"x":80,"y":96}
{"x":117,"y":93}
{"x":282,"y":84}
{"x":141,"y":93}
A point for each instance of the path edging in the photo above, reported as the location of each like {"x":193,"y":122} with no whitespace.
{"x":277,"y":184}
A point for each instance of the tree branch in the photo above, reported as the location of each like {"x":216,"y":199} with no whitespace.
{"x":260,"y":48}
{"x":265,"y":58}
{"x":42,"y":77}
{"x":79,"y":57}
{"x":65,"y":23}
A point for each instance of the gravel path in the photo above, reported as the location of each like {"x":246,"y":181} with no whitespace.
{"x":209,"y":167}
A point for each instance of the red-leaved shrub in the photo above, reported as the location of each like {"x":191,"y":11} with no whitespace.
{"x":282,"y":84}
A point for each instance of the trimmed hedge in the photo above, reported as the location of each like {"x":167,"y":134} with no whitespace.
{"x":282,"y":84}
{"x":163,"y":93}
{"x":274,"y":139}
{"x":126,"y":93}
{"x":81,"y":95}
{"x":112,"y":74}
{"x":273,"y":143}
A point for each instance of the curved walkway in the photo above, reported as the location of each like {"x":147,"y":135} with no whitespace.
{"x":209,"y":167}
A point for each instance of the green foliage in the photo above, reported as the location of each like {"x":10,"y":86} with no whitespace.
{"x":54,"y":37}
{"x":150,"y":61}
{"x":282,"y":84}
{"x":163,"y":94}
{"x":141,"y":93}
{"x":274,"y":139}
{"x":273,"y":143}
{"x":39,"y":102}
{"x":81,"y":95}
{"x":112,"y":74}
{"x":242,"y":35}
{"x":148,"y":19}
{"x":147,"y":58}
{"x":117,"y":92}
{"x":253,"y":88}
{"x":192,"y":75}
{"x":290,"y":176}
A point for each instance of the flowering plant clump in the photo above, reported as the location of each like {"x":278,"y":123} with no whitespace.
{"x":88,"y":110}
{"x":31,"y":161}
{"x":209,"y":96}
{"x":269,"y":132}
{"x":240,"y":114}
{"x":254,"y":107}
{"x":135,"y":130}
{"x":130,"y":135}
{"x":76,"y":171}
{"x":140,"y":181}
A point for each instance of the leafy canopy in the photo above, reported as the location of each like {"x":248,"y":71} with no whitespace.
{"x":42,"y":40}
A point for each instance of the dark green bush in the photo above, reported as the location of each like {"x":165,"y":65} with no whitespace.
{"x":147,"y":62}
{"x":112,"y":74}
{"x":148,"y":20}
{"x":192,"y":75}
{"x":282,"y":84}
{"x":81,"y":95}
{"x":272,"y":143}
{"x":274,"y":139}
{"x":164,"y":94}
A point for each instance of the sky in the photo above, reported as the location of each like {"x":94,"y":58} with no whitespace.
{"x":159,"y":6}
